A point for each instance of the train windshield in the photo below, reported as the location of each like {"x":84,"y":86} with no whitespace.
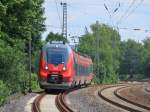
{"x":57,"y":56}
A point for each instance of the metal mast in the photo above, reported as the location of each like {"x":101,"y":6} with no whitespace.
{"x":97,"y":57}
{"x":64,"y":25}
{"x":30,"y":89}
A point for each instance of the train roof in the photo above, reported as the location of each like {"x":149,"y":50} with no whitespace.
{"x":56,"y":44}
{"x":61,"y":44}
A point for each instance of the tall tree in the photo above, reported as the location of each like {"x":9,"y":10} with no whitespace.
{"x":21,"y":19}
{"x":107,"y":50}
{"x":147,"y":57}
{"x":132,"y":58}
{"x":55,"y":37}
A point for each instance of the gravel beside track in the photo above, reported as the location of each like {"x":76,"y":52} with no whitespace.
{"x":87,"y":100}
{"x":135,"y":94}
{"x":21,"y":104}
{"x":147,"y":89}
{"x":47,"y":104}
{"x":108,"y":93}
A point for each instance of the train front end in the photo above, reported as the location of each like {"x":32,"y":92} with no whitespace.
{"x":55,"y":68}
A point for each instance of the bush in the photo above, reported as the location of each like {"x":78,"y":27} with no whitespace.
{"x":4,"y":92}
{"x":12,"y":66}
{"x":34,"y":82}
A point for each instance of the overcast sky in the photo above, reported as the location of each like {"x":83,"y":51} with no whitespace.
{"x":130,"y":14}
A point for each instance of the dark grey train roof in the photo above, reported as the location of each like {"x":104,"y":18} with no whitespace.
{"x":55,"y":45}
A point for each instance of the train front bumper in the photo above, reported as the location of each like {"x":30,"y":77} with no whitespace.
{"x":46,"y":85}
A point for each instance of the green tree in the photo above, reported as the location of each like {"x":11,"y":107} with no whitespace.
{"x":132,"y":58}
{"x":147,"y":57}
{"x":55,"y":37}
{"x":20,"y":20}
{"x":12,"y":68}
{"x":108,"y":51}
{"x":3,"y":93}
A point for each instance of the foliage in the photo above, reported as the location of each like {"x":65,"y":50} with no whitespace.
{"x":4,"y":92}
{"x":20,"y":20}
{"x":12,"y":70}
{"x":35,"y":61}
{"x":34,"y":82}
{"x":132,"y":58}
{"x":107,"y":51}
{"x":147,"y":57}
{"x":55,"y":37}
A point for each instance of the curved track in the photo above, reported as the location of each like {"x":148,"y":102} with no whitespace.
{"x":45,"y":103}
{"x":36,"y":103}
{"x":116,"y":92}
{"x":61,"y":104}
{"x":43,"y":99}
{"x":147,"y":89}
{"x":108,"y":94}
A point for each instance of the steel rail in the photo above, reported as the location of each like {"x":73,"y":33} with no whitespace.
{"x":60,"y":99}
{"x":61,"y":104}
{"x":147,"y":89}
{"x":36,"y":103}
{"x":116,"y":92}
{"x":116,"y":103}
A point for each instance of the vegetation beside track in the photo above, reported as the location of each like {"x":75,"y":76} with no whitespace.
{"x":117,"y":59}
{"x":19,"y":21}
{"x":23,"y":20}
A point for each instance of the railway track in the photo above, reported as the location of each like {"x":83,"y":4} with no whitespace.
{"x":116,"y":92}
{"x":147,"y":89}
{"x":61,"y":103}
{"x":109,"y":94}
{"x":60,"y":99}
{"x":36,"y":103}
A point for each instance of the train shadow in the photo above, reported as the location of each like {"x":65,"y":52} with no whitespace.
{"x":54,"y":91}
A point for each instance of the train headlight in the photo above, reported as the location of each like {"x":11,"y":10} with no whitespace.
{"x":64,"y":68}
{"x":46,"y":67}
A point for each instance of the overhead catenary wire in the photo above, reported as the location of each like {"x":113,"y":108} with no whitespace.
{"x":121,"y":28}
{"x":126,"y":12}
{"x":113,"y":12}
{"x":58,"y":12}
{"x":132,"y":11}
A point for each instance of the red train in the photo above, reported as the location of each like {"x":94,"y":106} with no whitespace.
{"x":60,"y":67}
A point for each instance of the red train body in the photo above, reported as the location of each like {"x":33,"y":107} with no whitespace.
{"x":60,"y":67}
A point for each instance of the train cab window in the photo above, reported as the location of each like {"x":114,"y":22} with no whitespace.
{"x":56,"y":56}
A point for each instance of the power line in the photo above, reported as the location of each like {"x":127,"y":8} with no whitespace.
{"x":113,"y":12}
{"x":58,"y":12}
{"x":121,"y":28}
{"x":126,"y":12}
{"x":135,"y":29}
{"x":132,"y":11}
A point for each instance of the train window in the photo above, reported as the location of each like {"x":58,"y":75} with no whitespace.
{"x":57,"y":56}
{"x":88,"y":69}
{"x":80,"y":70}
{"x":91,"y":67}
{"x":85,"y":70}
